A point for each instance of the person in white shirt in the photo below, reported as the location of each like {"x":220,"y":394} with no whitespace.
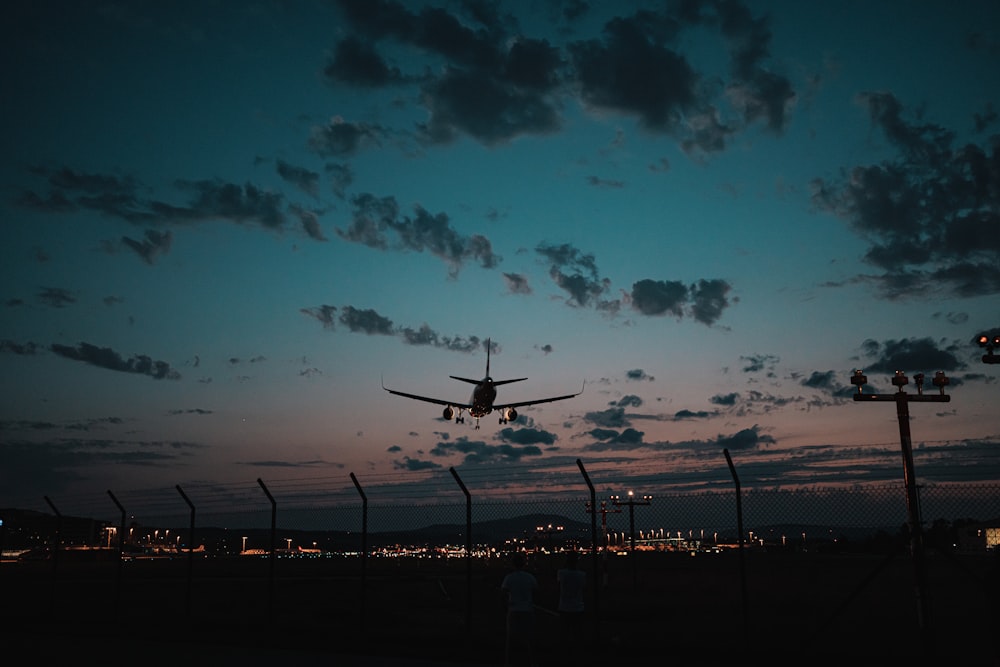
{"x":520,"y":586}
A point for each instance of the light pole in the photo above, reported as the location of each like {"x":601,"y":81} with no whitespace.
{"x":903,"y":400}
{"x":631,"y":502}
{"x":604,"y":518}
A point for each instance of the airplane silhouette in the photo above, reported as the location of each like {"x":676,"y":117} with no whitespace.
{"x":483,"y":395}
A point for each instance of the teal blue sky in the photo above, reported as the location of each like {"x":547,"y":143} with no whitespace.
{"x":225,"y":224}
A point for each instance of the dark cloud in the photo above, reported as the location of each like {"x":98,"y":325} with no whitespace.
{"x":485,"y":79}
{"x":517,"y":283}
{"x":755,"y":363}
{"x":56,"y":297}
{"x":610,"y":418}
{"x":608,"y":439}
{"x":356,"y":62}
{"x":324,"y":314}
{"x":155,"y":243}
{"x":912,"y":355}
{"x":704,"y":301}
{"x":684,"y":415}
{"x":310,"y":222}
{"x":526,"y":436}
{"x":638,"y":374}
{"x":481,"y":452}
{"x":28,"y":348}
{"x":105,"y":357}
{"x":629,"y":401}
{"x":341,"y":139}
{"x":929,"y":214}
{"x":365,"y":321}
{"x":659,"y":297}
{"x":748,"y":438}
{"x":208,"y":200}
{"x":341,"y":178}
{"x":377,"y":223}
{"x":408,"y":463}
{"x":305,"y":180}
{"x":724,"y":399}
{"x":574,"y":272}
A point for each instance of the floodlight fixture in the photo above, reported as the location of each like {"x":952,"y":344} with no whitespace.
{"x":990,"y":343}
{"x":859,"y":379}
{"x":900,"y":379}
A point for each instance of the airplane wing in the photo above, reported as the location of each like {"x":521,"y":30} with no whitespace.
{"x":501,"y":406}
{"x":428,"y":399}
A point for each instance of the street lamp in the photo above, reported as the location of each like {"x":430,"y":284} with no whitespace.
{"x":902,"y":399}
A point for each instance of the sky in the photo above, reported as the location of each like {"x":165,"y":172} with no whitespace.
{"x":225,"y":225}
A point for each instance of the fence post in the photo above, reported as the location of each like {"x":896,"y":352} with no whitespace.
{"x":274,"y":530}
{"x":594,"y":553}
{"x":55,"y":552}
{"x":739,"y":530}
{"x":190,"y":576}
{"x":468,"y":548}
{"x":364,"y":549}
{"x":121,"y":552}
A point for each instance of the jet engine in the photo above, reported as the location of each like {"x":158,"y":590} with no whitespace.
{"x":508,"y":415}
{"x":448,"y":413}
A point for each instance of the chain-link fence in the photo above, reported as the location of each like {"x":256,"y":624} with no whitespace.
{"x":372,"y":569}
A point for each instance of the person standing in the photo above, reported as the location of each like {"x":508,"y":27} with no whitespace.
{"x":571,"y":580}
{"x":520,"y":586}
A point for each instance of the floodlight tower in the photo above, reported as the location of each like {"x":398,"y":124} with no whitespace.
{"x":903,"y":400}
{"x":631,"y":502}
{"x":604,"y":518}
{"x":990,"y":343}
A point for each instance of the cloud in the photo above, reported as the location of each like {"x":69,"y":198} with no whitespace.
{"x":23,"y":349}
{"x":517,"y":283}
{"x":482,"y":77}
{"x":638,"y":374}
{"x":356,"y":62}
{"x":365,"y":321}
{"x":912,"y":355}
{"x":341,"y":139}
{"x":928,"y":215}
{"x":478,"y":452}
{"x":748,"y":438}
{"x":304,"y":179}
{"x":56,"y":297}
{"x":155,"y":243}
{"x":574,"y":272}
{"x":705,"y":300}
{"x":105,"y":357}
{"x":377,"y":223}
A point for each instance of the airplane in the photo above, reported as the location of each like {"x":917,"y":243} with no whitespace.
{"x":481,"y":403}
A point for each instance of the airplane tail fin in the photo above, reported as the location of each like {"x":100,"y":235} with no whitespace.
{"x":488,"y":357}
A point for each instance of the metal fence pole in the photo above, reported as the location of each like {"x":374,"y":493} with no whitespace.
{"x":274,"y":530}
{"x":55,"y":552}
{"x":364,"y":548}
{"x":594,"y":553}
{"x":121,"y":552}
{"x":190,"y":574}
{"x":739,"y":537}
{"x":468,"y":548}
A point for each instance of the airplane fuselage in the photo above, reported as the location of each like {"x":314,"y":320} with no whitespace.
{"x":483,"y":397}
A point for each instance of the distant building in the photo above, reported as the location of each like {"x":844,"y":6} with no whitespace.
{"x":979,"y":537}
